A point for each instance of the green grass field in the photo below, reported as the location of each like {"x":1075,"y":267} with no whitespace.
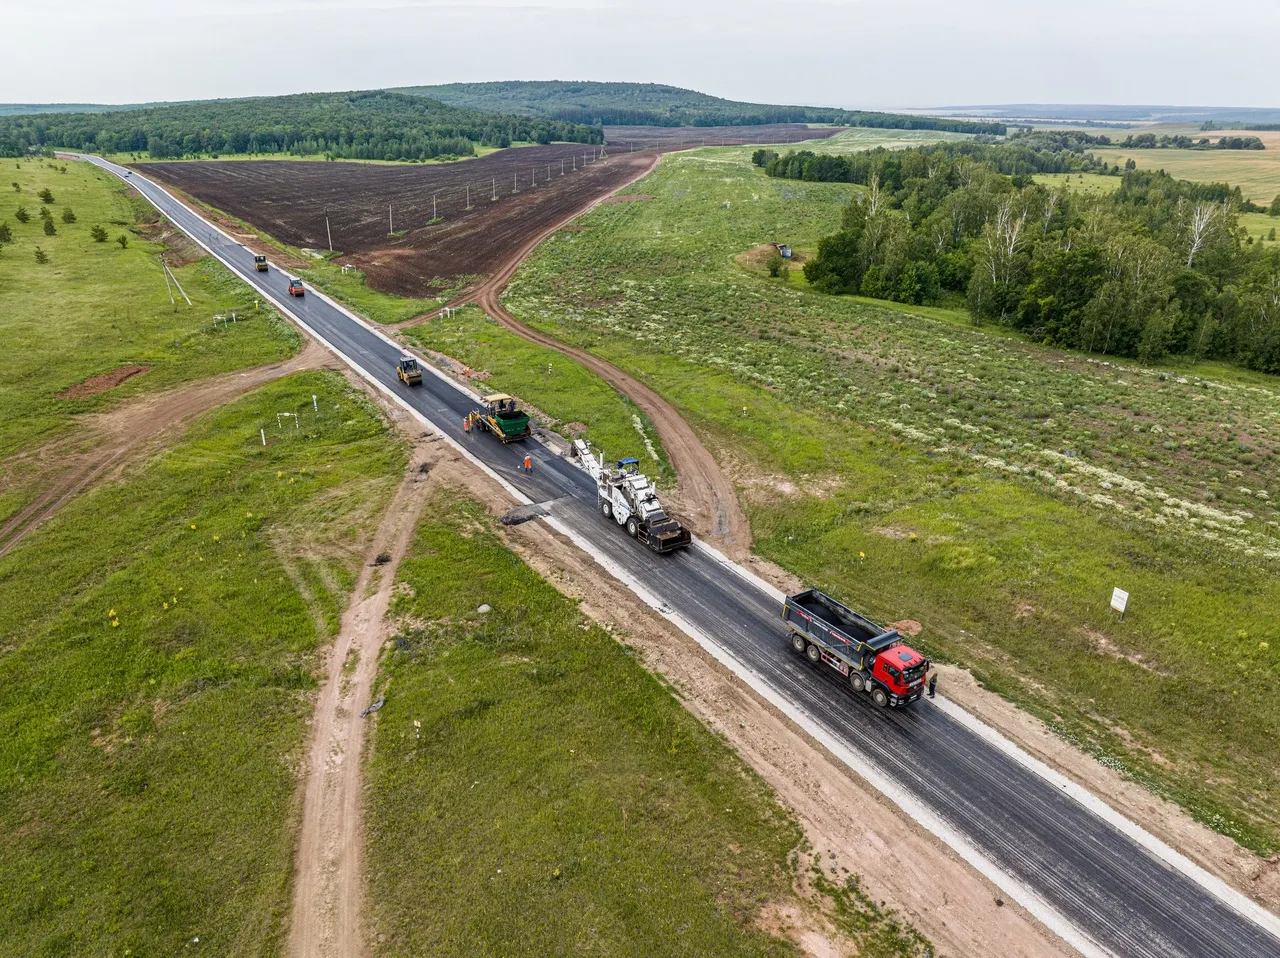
{"x":1256,"y":172}
{"x":998,"y":490}
{"x":95,"y":307}
{"x":1081,"y":182}
{"x":533,"y":790}
{"x":519,"y":367}
{"x":157,"y":655}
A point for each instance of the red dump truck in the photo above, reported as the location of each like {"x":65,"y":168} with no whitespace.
{"x":874,"y":659}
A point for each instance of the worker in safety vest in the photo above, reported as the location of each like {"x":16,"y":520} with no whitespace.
{"x":466,"y":423}
{"x":933,"y":684}
{"x":528,"y":463}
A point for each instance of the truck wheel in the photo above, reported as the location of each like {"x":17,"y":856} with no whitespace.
{"x":633,"y":527}
{"x":856,"y":681}
{"x":880,"y":697}
{"x":813,"y":653}
{"x":607,"y":510}
{"x":798,"y":642}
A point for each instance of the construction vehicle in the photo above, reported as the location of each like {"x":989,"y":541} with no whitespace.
{"x":874,"y":659}
{"x":500,"y":416}
{"x":628,"y":498}
{"x":408,"y":371}
{"x":295,"y":286}
{"x":260,"y":263}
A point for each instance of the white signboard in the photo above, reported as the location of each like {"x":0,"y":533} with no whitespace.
{"x":1119,"y":599}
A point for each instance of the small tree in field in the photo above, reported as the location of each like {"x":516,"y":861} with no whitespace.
{"x":41,"y":256}
{"x":46,"y":195}
{"x":49,"y":228}
{"x":6,"y":234}
{"x":68,"y":215}
{"x":776,"y":265}
{"x":99,"y":234}
{"x":22,"y":216}
{"x":123,"y":241}
{"x":17,"y":188}
{"x":45,"y":214}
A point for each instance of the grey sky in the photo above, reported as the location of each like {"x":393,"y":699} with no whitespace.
{"x":854,"y":53}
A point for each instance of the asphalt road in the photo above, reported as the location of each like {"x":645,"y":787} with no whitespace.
{"x":1120,"y":895}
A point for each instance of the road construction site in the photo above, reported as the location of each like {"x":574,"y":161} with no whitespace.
{"x":1098,"y":882}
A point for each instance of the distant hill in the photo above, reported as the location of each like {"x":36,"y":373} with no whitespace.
{"x":655,"y":104}
{"x":17,"y":109}
{"x":361,"y":125}
{"x":1115,"y":113}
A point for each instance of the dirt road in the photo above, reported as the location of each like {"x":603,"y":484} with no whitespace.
{"x":109,"y":441}
{"x":328,"y":867}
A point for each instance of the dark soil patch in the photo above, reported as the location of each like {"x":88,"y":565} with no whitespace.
{"x":101,"y":382}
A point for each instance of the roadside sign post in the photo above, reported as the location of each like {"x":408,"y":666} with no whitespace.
{"x":1119,"y":600}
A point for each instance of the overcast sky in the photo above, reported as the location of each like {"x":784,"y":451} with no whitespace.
{"x":851,"y":53}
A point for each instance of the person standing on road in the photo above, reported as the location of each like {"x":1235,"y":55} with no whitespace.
{"x":528,"y":463}
{"x":933,"y":684}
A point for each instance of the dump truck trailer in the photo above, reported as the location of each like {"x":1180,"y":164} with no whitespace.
{"x":627,"y":497}
{"x":874,"y":659}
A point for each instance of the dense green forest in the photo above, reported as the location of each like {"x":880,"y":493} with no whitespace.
{"x":655,"y":104}
{"x":372,"y":125}
{"x":1158,"y":267}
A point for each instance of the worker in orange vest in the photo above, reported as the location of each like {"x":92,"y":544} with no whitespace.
{"x":466,"y":423}
{"x":528,"y":463}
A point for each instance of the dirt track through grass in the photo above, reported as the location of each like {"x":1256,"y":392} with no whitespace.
{"x":115,"y":438}
{"x":328,"y":899}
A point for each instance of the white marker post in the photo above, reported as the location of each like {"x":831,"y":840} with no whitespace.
{"x":314,"y":404}
{"x":264,"y":436}
{"x":1119,"y":600}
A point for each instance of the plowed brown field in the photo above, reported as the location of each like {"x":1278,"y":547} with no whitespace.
{"x":485,"y":211}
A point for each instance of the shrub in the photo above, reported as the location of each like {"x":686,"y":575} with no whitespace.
{"x":49,"y":228}
{"x":99,"y":234}
{"x":776,"y":265}
{"x":68,"y":215}
{"x":46,"y":195}
{"x":41,"y":256}
{"x":22,"y":216}
{"x":17,"y":188}
{"x":6,"y":234}
{"x":123,"y":241}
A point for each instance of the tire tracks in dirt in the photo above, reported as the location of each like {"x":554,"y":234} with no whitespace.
{"x":329,"y":886}
{"x":114,"y":438}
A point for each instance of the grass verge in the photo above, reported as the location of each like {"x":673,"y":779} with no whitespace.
{"x":156,"y":668}
{"x":569,"y":393}
{"x":534,"y":790}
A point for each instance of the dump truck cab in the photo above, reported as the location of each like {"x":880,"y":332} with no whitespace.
{"x":500,"y":414}
{"x":408,"y":371}
{"x":260,"y":263}
{"x":295,"y":286}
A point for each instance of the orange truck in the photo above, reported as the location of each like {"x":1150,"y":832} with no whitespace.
{"x":295,"y":286}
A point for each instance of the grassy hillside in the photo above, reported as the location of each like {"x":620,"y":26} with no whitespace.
{"x":533,"y":790}
{"x":656,"y":104}
{"x":95,"y":307}
{"x":156,"y":664}
{"x":991,"y":489}
{"x":1256,"y":172}
{"x":374,"y":124}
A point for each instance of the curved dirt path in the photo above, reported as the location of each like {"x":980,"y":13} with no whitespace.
{"x":113,"y":438}
{"x":708,"y":497}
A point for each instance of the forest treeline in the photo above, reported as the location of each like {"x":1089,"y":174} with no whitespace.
{"x":657,"y":104}
{"x":376,"y":125}
{"x":1159,"y":267}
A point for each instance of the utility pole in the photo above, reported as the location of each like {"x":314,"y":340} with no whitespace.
{"x":468,"y":197}
{"x":434,"y":214}
{"x":391,"y":226}
{"x":495,"y":187}
{"x":326,"y":229}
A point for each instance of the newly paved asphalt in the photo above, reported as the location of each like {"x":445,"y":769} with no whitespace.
{"x":1118,"y":894}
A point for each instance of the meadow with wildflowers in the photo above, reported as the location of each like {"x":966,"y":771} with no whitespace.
{"x":997,"y":489}
{"x":158,"y":655}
